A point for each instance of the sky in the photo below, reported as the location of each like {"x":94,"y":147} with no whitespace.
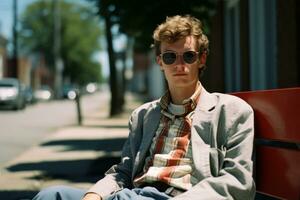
{"x":6,"y":23}
{"x":6,"y":15}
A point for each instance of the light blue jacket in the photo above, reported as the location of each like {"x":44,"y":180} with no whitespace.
{"x":222,"y":142}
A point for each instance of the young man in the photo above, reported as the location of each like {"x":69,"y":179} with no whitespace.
{"x":190,"y":144}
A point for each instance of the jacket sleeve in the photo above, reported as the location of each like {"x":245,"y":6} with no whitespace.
{"x":118,"y":176}
{"x":234,"y":178}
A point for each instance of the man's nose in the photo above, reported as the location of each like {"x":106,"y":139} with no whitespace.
{"x":180,"y":63}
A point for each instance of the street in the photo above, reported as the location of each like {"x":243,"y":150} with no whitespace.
{"x":19,"y":130}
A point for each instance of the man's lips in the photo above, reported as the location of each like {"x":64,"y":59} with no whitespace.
{"x":179,"y":74}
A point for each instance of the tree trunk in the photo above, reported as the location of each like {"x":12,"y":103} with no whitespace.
{"x":123,"y":79}
{"x":115,"y":106}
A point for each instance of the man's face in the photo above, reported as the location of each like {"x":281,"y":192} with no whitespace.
{"x":181,"y":69}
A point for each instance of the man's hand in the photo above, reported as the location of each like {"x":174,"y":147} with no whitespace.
{"x":92,"y":196}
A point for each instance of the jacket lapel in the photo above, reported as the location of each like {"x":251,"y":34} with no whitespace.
{"x":207,"y":101}
{"x":151,"y":122}
{"x":201,"y":132}
{"x":203,"y":117}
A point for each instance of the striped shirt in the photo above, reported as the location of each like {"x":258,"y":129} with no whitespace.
{"x":170,"y":158}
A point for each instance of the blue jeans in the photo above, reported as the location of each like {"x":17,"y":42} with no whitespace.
{"x":69,"y":193}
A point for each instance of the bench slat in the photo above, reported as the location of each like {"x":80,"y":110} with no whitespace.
{"x":277,"y":172}
{"x":277,"y":113}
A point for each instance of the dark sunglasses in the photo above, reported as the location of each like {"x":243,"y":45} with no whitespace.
{"x":170,"y":57}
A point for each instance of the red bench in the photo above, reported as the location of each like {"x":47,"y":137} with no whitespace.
{"x":277,"y":142}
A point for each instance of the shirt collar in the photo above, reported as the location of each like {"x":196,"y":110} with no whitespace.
{"x":189,"y":103}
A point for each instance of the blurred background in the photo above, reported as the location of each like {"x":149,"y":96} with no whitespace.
{"x":52,"y":47}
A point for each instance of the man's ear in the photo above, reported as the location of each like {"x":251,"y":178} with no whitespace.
{"x":159,"y":61}
{"x":203,"y":59}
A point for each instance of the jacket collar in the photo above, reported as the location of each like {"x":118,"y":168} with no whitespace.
{"x":207,"y":101}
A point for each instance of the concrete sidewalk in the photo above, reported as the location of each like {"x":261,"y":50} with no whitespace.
{"x":75,"y":155}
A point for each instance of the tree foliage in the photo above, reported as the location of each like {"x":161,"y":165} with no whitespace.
{"x":139,"y":18}
{"x":80,"y":32}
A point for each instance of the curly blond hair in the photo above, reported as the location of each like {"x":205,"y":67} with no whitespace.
{"x":178,"y":27}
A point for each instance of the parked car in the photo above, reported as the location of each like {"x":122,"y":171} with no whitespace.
{"x":43,"y":94}
{"x":12,"y":94}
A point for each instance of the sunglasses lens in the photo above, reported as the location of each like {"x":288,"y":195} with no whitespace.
{"x":169,"y":58}
{"x":189,"y":57}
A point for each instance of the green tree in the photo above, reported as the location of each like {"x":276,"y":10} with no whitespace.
{"x":80,"y":32}
{"x":139,"y":18}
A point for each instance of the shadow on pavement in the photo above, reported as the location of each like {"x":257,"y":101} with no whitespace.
{"x":107,"y":145}
{"x":68,"y":170}
{"x":76,"y":170}
{"x":17,"y":195}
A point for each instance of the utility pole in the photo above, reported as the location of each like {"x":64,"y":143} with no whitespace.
{"x":14,"y":70}
{"x":58,"y":62}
